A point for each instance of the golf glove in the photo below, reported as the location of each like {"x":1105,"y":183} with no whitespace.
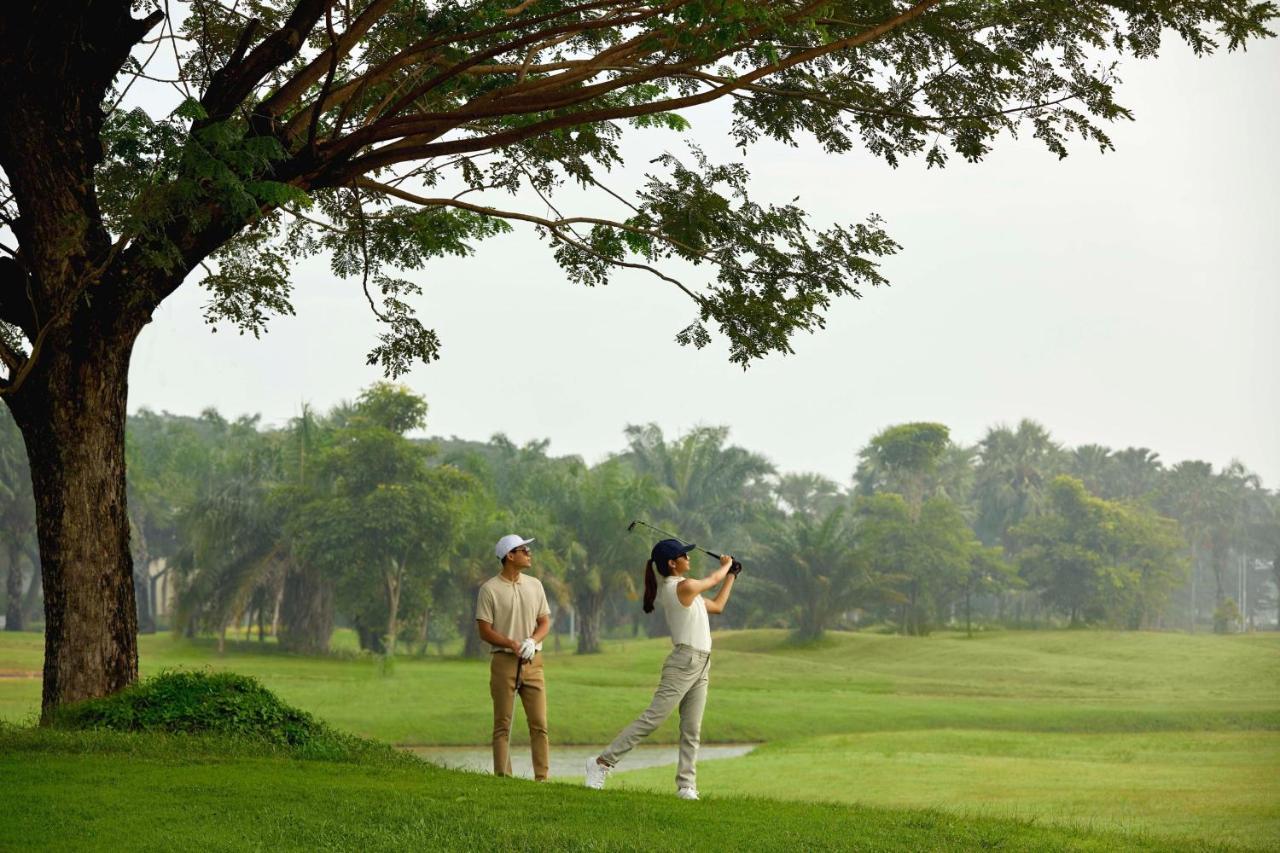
{"x":736,"y":568}
{"x":527,"y":649}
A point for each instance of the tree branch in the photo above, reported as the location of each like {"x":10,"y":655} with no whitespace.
{"x":433,"y":124}
{"x":555,"y":226}
{"x":235,"y":80}
{"x":327,"y":61}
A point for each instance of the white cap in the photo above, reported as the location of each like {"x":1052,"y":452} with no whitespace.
{"x":509,"y":543}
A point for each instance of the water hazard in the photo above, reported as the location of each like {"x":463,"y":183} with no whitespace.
{"x":567,"y":761}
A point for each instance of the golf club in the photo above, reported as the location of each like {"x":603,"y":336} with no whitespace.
{"x":519,"y":680}
{"x":737,"y":566}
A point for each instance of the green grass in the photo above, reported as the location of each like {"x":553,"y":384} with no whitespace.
{"x":765,"y":690}
{"x":1167,"y":735}
{"x":112,"y":791}
{"x":1219,"y":785}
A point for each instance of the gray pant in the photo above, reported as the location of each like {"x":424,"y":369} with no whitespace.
{"x":683,"y":684}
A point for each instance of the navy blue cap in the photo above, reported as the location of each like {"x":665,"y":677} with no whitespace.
{"x":669,"y":549}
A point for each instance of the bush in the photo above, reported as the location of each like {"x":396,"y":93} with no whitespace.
{"x":1226,"y":617}
{"x":212,"y":703}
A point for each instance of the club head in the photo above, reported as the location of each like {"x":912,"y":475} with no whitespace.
{"x":631,"y":527}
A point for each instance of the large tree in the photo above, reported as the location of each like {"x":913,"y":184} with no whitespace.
{"x":905,"y":460}
{"x":593,"y":507}
{"x":814,"y":572}
{"x":929,"y":549}
{"x":1014,"y":470}
{"x":712,"y":485}
{"x":385,"y":522}
{"x":354,"y":127}
{"x":1095,"y":559}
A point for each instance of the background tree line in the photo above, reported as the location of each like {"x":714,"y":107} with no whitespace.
{"x":341,"y":517}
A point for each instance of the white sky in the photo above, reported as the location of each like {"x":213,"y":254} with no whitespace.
{"x":1126,"y":299}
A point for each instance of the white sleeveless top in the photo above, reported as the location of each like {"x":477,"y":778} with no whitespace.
{"x":688,"y":625}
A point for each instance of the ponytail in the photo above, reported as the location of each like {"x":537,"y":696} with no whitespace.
{"x":650,"y":587}
{"x":651,"y":582}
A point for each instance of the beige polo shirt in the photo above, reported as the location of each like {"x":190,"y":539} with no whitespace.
{"x":512,"y":608}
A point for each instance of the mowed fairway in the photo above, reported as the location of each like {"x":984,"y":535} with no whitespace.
{"x":1164,"y":735}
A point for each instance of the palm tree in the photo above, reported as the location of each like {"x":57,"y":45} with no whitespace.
{"x":905,"y":460}
{"x":231,"y":539}
{"x":918,"y":461}
{"x":712,"y":486}
{"x":806,"y":494}
{"x":812,"y":570}
{"x":1091,"y":465}
{"x":1248,"y":505}
{"x":1135,"y":473}
{"x":1194,"y":495}
{"x":1011,"y":483}
{"x":594,"y":507}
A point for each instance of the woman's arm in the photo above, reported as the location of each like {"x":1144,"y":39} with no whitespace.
{"x":690,"y":588}
{"x":716,"y":605}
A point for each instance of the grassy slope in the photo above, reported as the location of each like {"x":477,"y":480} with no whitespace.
{"x":764,"y":689}
{"x":128,"y":792}
{"x":1171,"y":734}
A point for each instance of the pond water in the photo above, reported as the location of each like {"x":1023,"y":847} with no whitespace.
{"x":567,"y":761}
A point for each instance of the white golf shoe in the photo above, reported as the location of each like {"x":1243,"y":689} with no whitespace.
{"x":687,"y":793}
{"x":596,"y":773}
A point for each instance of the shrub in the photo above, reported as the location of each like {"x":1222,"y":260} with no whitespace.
{"x":212,"y":703}
{"x":1226,"y":617}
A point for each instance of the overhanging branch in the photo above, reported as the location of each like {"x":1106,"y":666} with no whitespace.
{"x":555,"y":226}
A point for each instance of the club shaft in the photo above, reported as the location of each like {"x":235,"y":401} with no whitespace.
{"x":673,"y":536}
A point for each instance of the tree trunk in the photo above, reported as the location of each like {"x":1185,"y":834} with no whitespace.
{"x":71,"y":410}
{"x":1195,"y":571}
{"x":590,"y":607}
{"x":31,"y":601}
{"x":146,"y":613}
{"x":1275,"y":574}
{"x":370,"y":639}
{"x":275,"y":611}
{"x":1219,"y":589}
{"x":306,"y":613}
{"x":424,"y":631}
{"x":393,"y":611}
{"x":13,"y":590}
{"x":141,"y":576}
{"x":472,"y":645}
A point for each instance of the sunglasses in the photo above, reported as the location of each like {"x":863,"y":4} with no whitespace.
{"x":523,"y":549}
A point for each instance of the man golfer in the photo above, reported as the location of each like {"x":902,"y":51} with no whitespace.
{"x":512,"y":616}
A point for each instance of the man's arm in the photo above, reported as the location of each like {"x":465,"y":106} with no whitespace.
{"x":541,"y":629}
{"x":493,"y":638}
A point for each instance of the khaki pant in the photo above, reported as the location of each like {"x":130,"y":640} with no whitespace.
{"x":533,"y":695}
{"x":684,"y":685}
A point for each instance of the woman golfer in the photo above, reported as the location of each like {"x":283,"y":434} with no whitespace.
{"x":684,"y":672}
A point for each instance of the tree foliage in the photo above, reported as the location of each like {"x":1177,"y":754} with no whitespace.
{"x":322,"y":512}
{"x":1097,"y":560}
{"x":386,"y":133}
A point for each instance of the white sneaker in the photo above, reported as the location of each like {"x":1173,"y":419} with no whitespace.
{"x":596,"y":773}
{"x":687,"y":793}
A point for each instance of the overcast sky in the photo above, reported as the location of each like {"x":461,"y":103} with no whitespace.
{"x":1127,"y":298}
